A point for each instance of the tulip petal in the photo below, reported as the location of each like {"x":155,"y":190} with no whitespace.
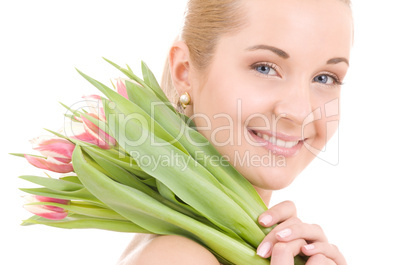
{"x":86,"y":137}
{"x":45,"y":209}
{"x":95,"y":105}
{"x":45,"y":212}
{"x":121,"y":88}
{"x":50,"y":164}
{"x":58,"y":148}
{"x":48,"y":199}
{"x":77,"y":130}
{"x":73,"y":129}
{"x":104,"y":139}
{"x":95,"y":97}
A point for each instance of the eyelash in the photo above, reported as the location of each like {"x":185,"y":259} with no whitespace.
{"x":270,"y":65}
{"x":337,"y":81}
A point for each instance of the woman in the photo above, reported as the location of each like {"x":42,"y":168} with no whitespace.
{"x":261,"y":79}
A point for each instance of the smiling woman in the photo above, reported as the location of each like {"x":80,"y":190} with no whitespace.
{"x":260,"y":77}
{"x":257,"y":69}
{"x":351,"y":188}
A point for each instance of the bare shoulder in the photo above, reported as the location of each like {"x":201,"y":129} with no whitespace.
{"x":175,"y":250}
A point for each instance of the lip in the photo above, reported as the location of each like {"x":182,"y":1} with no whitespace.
{"x":278,"y":150}
{"x":280,"y":136}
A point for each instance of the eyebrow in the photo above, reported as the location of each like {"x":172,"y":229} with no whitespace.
{"x":285,"y":55}
{"x":338,"y":60}
{"x":278,"y":51}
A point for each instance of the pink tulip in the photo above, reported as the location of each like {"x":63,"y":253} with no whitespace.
{"x":46,"y":211}
{"x":80,"y":131}
{"x":58,"y":148}
{"x":121,"y":88}
{"x":50,"y":163}
{"x":101,"y":136}
{"x":57,"y":154}
{"x":95,"y":104}
{"x":81,"y":128}
{"x":89,"y":132}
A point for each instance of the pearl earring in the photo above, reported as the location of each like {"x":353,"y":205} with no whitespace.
{"x":185,"y":100}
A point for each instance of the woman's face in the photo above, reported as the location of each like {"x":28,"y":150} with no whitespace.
{"x":269,"y":100}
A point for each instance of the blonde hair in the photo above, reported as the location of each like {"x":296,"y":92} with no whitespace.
{"x":205,"y":22}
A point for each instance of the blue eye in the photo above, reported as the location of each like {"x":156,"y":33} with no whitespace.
{"x":327,"y":80}
{"x":265,"y":69}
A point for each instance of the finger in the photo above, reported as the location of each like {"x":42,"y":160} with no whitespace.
{"x":328,"y":250}
{"x":284,"y":253}
{"x":320,"y":259}
{"x":278,"y":214}
{"x":308,"y":232}
{"x":264,"y":249}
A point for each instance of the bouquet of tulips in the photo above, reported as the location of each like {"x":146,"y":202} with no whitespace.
{"x":132,"y":163}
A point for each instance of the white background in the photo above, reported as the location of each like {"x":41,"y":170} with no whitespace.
{"x":357,"y":201}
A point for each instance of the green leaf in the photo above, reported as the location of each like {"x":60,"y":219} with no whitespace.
{"x":74,"y":112}
{"x":152,"y":83}
{"x":189,"y":122}
{"x":160,"y":120}
{"x":73,"y":179}
{"x":114,"y":171}
{"x":122,"y":176}
{"x":199,"y":148}
{"x":188,"y":210}
{"x":72,"y":140}
{"x":83,"y":208}
{"x":82,"y":194}
{"x":120,"y":159}
{"x":23,"y":155}
{"x":193,"y":184}
{"x":129,"y":73}
{"x":84,"y":222}
{"x":127,"y":111}
{"x":15,"y":154}
{"x":53,"y":184}
{"x":157,"y":218}
{"x":120,"y":198}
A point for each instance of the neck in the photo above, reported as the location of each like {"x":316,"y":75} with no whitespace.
{"x":264,"y":194}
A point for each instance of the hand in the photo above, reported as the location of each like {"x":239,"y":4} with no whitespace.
{"x":292,"y":237}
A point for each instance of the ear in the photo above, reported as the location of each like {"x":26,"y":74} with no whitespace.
{"x":179,"y":62}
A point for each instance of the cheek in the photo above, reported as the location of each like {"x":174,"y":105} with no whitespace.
{"x":219,"y":106}
{"x":326,"y":116}
{"x":331,"y":116}
{"x":325,"y":128}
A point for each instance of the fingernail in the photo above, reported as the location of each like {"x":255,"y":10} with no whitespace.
{"x":266,"y":220}
{"x":263,"y":249}
{"x":309,"y":247}
{"x":284,"y":233}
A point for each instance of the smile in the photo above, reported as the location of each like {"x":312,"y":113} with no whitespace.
{"x":277,"y":142}
{"x":280,"y":144}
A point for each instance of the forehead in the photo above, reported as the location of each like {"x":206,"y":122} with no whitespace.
{"x":292,"y":24}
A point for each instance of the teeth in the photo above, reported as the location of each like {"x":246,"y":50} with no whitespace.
{"x":277,"y":142}
{"x":280,"y":143}
{"x":290,"y":144}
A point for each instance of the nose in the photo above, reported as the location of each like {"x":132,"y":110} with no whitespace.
{"x":295,"y":103}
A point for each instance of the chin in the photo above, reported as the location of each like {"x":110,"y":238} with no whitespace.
{"x":275,"y":179}
{"x":272,"y":183}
